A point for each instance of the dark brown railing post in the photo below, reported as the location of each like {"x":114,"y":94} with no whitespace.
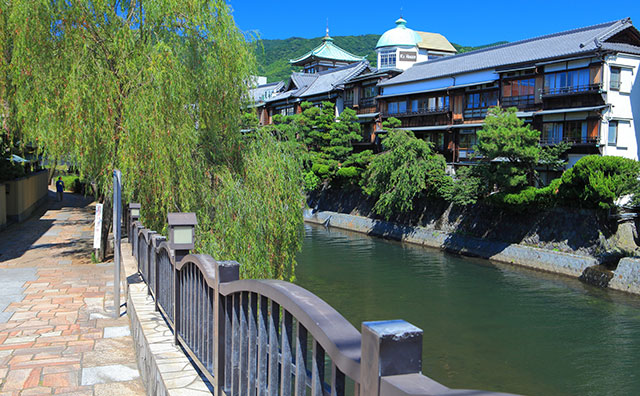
{"x":390,"y":347}
{"x":226,"y":271}
{"x":181,"y":241}
{"x":157,"y":240}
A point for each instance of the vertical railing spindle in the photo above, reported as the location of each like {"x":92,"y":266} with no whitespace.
{"x":274,"y":325}
{"x":263,"y":346}
{"x":337,"y":381}
{"x":244,"y":343}
{"x":301,"y":360}
{"x":317,"y":370}
{"x":235,"y":348}
{"x":286,"y":354}
{"x":253,"y":348}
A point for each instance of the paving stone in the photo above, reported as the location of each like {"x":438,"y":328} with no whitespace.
{"x":52,"y":299}
{"x":119,"y":389}
{"x":110,"y":373}
{"x":114,"y":332}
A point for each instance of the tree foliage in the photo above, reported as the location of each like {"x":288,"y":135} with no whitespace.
{"x":155,"y":89}
{"x":510,"y":151}
{"x":407,"y":169}
{"x":596,"y":181}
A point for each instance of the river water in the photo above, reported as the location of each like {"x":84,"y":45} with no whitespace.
{"x":486,"y":325}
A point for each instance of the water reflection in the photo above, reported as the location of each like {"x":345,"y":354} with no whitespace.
{"x":486,"y":325}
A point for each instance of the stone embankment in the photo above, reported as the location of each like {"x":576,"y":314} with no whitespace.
{"x":626,"y":277}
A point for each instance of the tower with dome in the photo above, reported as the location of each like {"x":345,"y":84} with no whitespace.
{"x":402,"y":47}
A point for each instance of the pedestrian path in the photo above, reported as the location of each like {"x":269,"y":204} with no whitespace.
{"x":57,"y":331}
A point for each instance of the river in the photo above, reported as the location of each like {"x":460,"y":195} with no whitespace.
{"x":486,"y":325}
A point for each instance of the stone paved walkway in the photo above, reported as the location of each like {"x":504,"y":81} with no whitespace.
{"x":57,"y":331}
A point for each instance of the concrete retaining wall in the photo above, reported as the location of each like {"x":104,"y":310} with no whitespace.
{"x":531,"y":257}
{"x":3,"y":206}
{"x":24,"y":195}
{"x":627,"y":276}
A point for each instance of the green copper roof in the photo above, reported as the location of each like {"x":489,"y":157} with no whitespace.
{"x":328,"y":50}
{"x":399,"y":35}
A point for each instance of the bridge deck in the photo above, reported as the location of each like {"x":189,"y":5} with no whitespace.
{"x":57,"y":334}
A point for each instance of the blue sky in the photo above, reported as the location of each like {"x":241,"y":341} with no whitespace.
{"x":463,"y":22}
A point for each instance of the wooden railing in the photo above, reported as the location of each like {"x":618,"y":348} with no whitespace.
{"x":270,"y":337}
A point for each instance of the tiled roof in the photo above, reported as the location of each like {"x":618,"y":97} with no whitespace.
{"x":435,"y":41}
{"x":328,"y":50}
{"x":258,"y":92}
{"x":563,"y":44}
{"x":307,"y":84}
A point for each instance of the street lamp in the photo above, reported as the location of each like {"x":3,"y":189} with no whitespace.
{"x":181,"y":233}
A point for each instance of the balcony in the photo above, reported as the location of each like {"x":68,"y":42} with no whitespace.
{"x":475,"y":113}
{"x":367,"y":102}
{"x":525,"y":102}
{"x":576,"y":140}
{"x":348,"y":103}
{"x":572,"y":90}
{"x":418,"y":112}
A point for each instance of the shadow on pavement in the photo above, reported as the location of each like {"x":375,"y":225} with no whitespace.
{"x":18,"y":238}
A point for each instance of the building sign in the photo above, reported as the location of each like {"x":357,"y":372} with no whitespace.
{"x":97,"y":231}
{"x":406,"y":56}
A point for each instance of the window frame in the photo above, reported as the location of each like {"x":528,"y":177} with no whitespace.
{"x":618,"y":70}
{"x":615,"y":124}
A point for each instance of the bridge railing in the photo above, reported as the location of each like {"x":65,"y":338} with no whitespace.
{"x":270,"y":337}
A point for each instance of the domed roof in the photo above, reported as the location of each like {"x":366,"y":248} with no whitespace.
{"x":399,"y":35}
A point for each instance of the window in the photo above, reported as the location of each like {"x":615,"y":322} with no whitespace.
{"x":613,"y":133}
{"x":552,"y":132}
{"x":393,"y":108}
{"x":387,"y":59}
{"x":287,"y":111}
{"x":482,"y":100}
{"x":615,"y":78}
{"x":467,"y":143}
{"x":478,"y":102}
{"x":414,"y":106}
{"x":348,"y":95}
{"x":576,"y":131}
{"x":567,"y":81}
{"x":524,"y":87}
{"x":402,"y":107}
{"x":370,"y":91}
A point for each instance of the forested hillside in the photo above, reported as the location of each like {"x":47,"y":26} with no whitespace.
{"x":273,"y":55}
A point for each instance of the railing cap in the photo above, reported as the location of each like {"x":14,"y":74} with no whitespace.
{"x":182,"y":219}
{"x":395,"y":328}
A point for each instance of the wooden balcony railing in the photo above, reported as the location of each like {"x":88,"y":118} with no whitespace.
{"x":551,"y":140}
{"x":571,"y":90}
{"x":367,"y":102}
{"x":419,"y":111}
{"x":259,"y":337}
{"x":521,"y":102}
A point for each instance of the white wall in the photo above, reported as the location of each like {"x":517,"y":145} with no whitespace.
{"x":403,"y":65}
{"x":625,"y":107}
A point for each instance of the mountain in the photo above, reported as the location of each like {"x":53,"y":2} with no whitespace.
{"x":273,"y":55}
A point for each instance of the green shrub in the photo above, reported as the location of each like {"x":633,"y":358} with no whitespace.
{"x":348,"y":172}
{"x":529,"y":198}
{"x":596,"y":181}
{"x":311,"y":181}
{"x":322,"y":170}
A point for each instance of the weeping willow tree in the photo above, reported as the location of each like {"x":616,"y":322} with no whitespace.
{"x":155,"y":89}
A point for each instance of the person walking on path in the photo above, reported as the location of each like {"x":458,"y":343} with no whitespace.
{"x":60,"y":189}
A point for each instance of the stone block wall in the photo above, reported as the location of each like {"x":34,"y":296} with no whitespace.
{"x":24,"y":195}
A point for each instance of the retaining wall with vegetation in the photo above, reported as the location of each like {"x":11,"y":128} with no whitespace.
{"x":25,"y":194}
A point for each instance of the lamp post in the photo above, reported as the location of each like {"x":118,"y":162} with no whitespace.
{"x":181,"y":233}
{"x":132,"y":215}
{"x":181,"y":240}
